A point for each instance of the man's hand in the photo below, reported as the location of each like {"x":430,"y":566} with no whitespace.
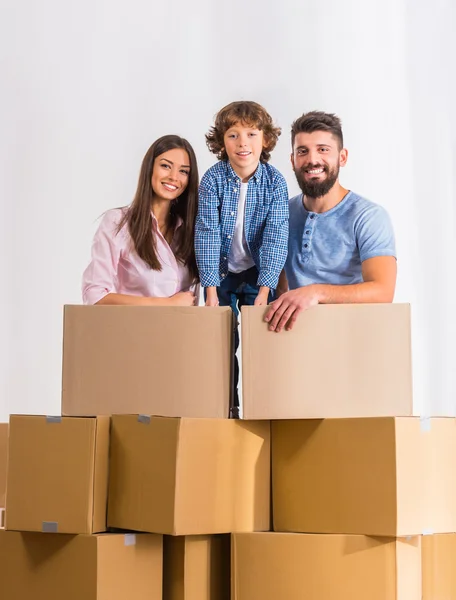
{"x":211,"y":296}
{"x":284,"y":311}
{"x":262,"y":298}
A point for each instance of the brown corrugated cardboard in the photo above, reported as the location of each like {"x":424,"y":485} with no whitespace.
{"x":97,"y":567}
{"x":189,"y":476}
{"x":385,"y":476}
{"x":269,"y":566}
{"x":167,"y":361}
{"x":196,"y":567}
{"x":57,"y":478}
{"x":438,"y":566}
{"x":3,"y":453}
{"x":338,"y":361}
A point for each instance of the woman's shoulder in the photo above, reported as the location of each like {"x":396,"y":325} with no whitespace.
{"x":112,"y":219}
{"x":112,"y":225}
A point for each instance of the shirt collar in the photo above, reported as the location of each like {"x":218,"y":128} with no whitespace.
{"x":179,"y":221}
{"x":257,"y":176}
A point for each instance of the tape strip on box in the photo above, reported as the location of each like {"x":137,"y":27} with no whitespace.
{"x":130,"y":539}
{"x":53,"y":419}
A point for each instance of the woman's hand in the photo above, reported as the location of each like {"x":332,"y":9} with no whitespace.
{"x":183,"y":299}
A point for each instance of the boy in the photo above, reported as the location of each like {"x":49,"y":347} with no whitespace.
{"x":241,"y":233}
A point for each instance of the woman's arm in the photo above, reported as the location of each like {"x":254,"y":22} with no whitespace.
{"x":100,"y":276}
{"x":179,"y":299}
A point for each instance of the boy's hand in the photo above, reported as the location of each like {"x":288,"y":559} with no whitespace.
{"x":211,"y":296}
{"x":262,"y":298}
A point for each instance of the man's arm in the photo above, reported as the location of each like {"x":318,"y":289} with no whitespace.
{"x":379,"y":283}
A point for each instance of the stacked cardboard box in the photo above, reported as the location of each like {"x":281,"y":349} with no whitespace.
{"x":135,"y":491}
{"x":172,"y":362}
{"x":150,"y":494}
{"x":362,"y":490}
{"x":55,"y":544}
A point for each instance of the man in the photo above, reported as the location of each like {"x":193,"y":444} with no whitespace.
{"x":341,"y":246}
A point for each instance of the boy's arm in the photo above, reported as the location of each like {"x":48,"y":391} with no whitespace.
{"x":207,"y":233}
{"x":274,"y":248}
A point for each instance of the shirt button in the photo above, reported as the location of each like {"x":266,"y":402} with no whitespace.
{"x":307,"y":232}
{"x":306,"y":245}
{"x":228,"y":236}
{"x":232,"y":213}
{"x":312,"y":216}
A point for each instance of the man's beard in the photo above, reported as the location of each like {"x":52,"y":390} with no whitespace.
{"x":316,"y":188}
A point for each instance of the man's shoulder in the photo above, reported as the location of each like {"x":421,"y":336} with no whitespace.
{"x":361,"y":210}
{"x":359,"y":204}
{"x":367,"y":217}
{"x":295,"y":202}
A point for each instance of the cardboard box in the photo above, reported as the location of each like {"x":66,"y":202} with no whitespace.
{"x":168,"y":361}
{"x":189,"y":476}
{"x":385,"y":476}
{"x":269,"y":566}
{"x":57,"y":478}
{"x":3,"y":454}
{"x":350,"y":360}
{"x":97,"y":567}
{"x":438,"y":566}
{"x":196,"y":567}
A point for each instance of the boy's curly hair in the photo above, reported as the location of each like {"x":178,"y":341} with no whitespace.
{"x":246,"y":112}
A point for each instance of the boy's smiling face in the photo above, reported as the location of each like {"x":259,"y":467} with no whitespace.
{"x":243,"y":144}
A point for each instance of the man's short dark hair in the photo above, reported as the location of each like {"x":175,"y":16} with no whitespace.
{"x":318,"y":121}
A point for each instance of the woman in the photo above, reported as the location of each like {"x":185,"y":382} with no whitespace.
{"x":143,"y":254}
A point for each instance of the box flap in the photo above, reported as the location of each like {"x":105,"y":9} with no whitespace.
{"x":142,"y":478}
{"x":100,"y":474}
{"x":223,"y":478}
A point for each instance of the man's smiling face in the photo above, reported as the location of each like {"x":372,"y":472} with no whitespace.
{"x":316,"y":161}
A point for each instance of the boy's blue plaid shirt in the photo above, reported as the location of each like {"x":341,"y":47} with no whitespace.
{"x":265,"y":223}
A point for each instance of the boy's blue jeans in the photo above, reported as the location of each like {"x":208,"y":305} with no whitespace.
{"x":237,"y":290}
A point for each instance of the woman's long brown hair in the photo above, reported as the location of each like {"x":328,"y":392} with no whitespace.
{"x":138,"y":215}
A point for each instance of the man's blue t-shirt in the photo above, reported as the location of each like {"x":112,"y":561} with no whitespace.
{"x":329,"y":247}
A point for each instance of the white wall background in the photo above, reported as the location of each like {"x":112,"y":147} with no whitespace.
{"x":86,"y":87}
